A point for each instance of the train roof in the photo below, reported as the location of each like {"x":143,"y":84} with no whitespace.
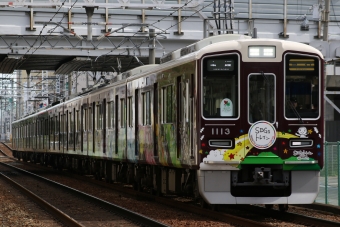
{"x":197,"y":50}
{"x":201,"y":44}
{"x":281,"y":47}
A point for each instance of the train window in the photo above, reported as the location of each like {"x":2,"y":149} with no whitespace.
{"x":122,"y":113}
{"x":56,"y":125}
{"x":166,"y":104}
{"x":99,"y":117}
{"x":89,"y":120}
{"x":85,"y":119}
{"x":77,"y":121}
{"x":302,"y":86}
{"x":129,"y":111}
{"x":70,"y":122}
{"x":220,"y":84}
{"x":261,"y":97}
{"x":110,"y":114}
{"x":146,"y":108}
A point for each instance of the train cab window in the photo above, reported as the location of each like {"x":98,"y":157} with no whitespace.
{"x":302,"y":86}
{"x":220,"y":87}
{"x":261,"y":97}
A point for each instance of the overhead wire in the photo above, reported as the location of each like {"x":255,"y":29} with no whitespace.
{"x":163,"y":30}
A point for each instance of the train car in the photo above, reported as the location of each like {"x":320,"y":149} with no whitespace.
{"x":228,"y":120}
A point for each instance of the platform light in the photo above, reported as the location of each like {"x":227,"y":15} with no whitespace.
{"x":261,"y":52}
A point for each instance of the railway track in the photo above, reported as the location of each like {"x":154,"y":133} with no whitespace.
{"x":64,"y":202}
{"x":256,"y":215}
{"x":261,"y":211}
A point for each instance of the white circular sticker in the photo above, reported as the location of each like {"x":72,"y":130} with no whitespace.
{"x":262,"y":134}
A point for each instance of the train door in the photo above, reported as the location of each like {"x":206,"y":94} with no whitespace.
{"x":110,"y":127}
{"x":184,"y":121}
{"x":85,"y":128}
{"x":131,"y":129}
{"x":120,"y":129}
{"x":90,"y":134}
{"x":136,"y":101}
{"x":99,"y":127}
{"x":262,"y":109}
{"x":78,"y":136}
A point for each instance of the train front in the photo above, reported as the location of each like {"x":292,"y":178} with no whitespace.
{"x":261,"y":128}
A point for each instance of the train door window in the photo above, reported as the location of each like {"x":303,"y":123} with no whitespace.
{"x":85,"y":119}
{"x":302,"y":86}
{"x":166,"y":104}
{"x":122,"y":113}
{"x":99,"y":117}
{"x":136,"y":121}
{"x":56,"y":125}
{"x":116,"y":125}
{"x":62,"y":123}
{"x":129,"y":111}
{"x":77,"y":121}
{"x":110,"y":114}
{"x":220,"y":86}
{"x":146,"y":108}
{"x":70,"y":122}
{"x":261,"y":97}
{"x":47,"y":139}
{"x":89,"y":121}
{"x":155,"y":117}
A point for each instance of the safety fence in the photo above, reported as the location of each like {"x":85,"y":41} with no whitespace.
{"x":330,"y":175}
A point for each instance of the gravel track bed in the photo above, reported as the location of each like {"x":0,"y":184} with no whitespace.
{"x":156,"y":211}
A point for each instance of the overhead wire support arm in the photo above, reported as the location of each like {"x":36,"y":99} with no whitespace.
{"x":122,"y":4}
{"x":121,"y":28}
{"x":66,"y":29}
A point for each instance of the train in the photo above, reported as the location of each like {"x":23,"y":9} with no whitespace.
{"x":229,"y":119}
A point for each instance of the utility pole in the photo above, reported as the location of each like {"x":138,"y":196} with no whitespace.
{"x":325,"y":26}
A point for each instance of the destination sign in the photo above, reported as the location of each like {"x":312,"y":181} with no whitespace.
{"x":301,"y":64}
{"x":220,"y":65}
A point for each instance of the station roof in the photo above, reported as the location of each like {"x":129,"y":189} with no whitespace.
{"x":67,"y":64}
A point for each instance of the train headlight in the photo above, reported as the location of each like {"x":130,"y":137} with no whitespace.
{"x":261,"y":52}
{"x":301,"y":143}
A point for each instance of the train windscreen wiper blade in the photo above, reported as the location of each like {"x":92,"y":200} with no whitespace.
{"x":295,"y":111}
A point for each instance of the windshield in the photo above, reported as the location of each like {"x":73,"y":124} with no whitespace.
{"x":220,"y":86}
{"x":302,"y":87}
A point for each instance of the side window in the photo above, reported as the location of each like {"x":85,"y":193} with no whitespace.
{"x":89,"y":120}
{"x":122,"y":113}
{"x":56,"y":121}
{"x":146,"y":108}
{"x":129,"y":112}
{"x":167,"y":104}
{"x":110,"y":114}
{"x":99,"y":116}
{"x":77,"y":121}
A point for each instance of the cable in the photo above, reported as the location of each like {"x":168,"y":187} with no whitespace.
{"x":164,"y":30}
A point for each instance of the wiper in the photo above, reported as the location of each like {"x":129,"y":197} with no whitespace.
{"x":295,"y":112}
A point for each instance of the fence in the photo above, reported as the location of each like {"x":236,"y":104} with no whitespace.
{"x":330,"y":175}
